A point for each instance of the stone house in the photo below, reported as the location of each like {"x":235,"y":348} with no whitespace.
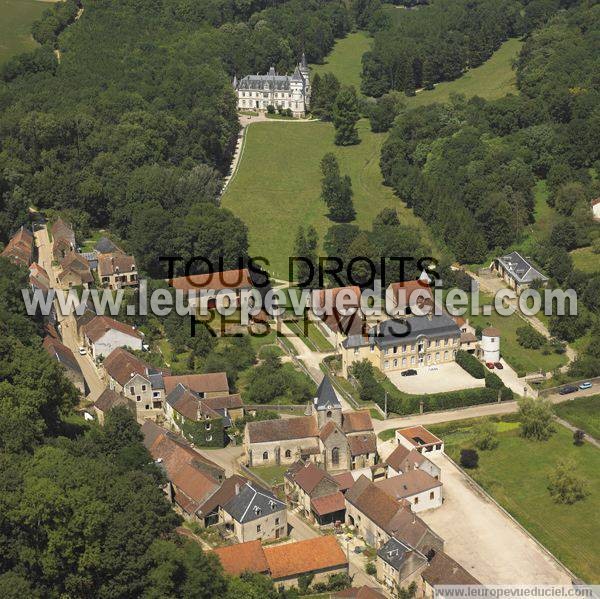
{"x":63,"y":239}
{"x":108,"y":400}
{"x":443,"y":570}
{"x":518,"y":272}
{"x":315,"y":492}
{"x":117,"y":270}
{"x":402,"y":344}
{"x":254,"y":513}
{"x":399,"y":564}
{"x":419,"y":438}
{"x":137,"y":381}
{"x":20,"y":248}
{"x":421,"y":490}
{"x":65,"y":357}
{"x":377,"y":517}
{"x":406,"y":298}
{"x":213,"y":384}
{"x":286,"y":563}
{"x":402,"y":460}
{"x":75,"y":271}
{"x":102,"y":335}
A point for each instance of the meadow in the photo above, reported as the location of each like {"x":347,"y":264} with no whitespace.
{"x":516,"y":475}
{"x":16,"y":18}
{"x":583,"y":412}
{"x":277,"y":185}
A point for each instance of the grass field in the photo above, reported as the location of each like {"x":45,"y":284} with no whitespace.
{"x":278,"y":183}
{"x":493,"y":79}
{"x":516,"y":475}
{"x":585,"y":260}
{"x":273,"y":475}
{"x":583,"y":412}
{"x":16,"y":18}
{"x":344,"y":61}
{"x":313,"y":338}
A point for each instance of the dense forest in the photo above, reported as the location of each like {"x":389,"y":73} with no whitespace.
{"x":135,"y":126}
{"x":469,"y":168}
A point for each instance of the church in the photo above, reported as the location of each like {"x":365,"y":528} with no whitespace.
{"x":257,"y":92}
{"x":325,"y":435}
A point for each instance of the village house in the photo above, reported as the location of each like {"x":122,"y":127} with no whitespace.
{"x":102,"y":335}
{"x":104,"y":245}
{"x":398,"y":564}
{"x":420,"y":489}
{"x":517,"y":271}
{"x":117,"y":270}
{"x":406,"y":298}
{"x":108,"y":400}
{"x":403,"y":459}
{"x":254,"y":513}
{"x":320,"y":557}
{"x":139,"y":382}
{"x":419,"y":438}
{"x":63,"y":239}
{"x":364,"y":592}
{"x":443,"y":570}
{"x":20,"y":248}
{"x":315,"y":492}
{"x":337,"y":440}
{"x":337,"y":311}
{"x":192,"y":478}
{"x":75,"y":271}
{"x":38,"y":278}
{"x":377,"y":517}
{"x":65,"y":357}
{"x":396,"y":345}
{"x":213,"y":384}
{"x":258,"y":92}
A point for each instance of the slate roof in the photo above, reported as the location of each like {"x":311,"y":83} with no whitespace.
{"x":300,"y":427}
{"x":359,"y":421}
{"x":100,"y":325}
{"x":251,"y":503}
{"x":395,"y":331}
{"x":61,"y":353}
{"x":273,"y":80}
{"x":520,"y":269}
{"x":443,"y":569}
{"x":213,"y":382}
{"x":408,"y":484}
{"x":292,"y":559}
{"x":395,"y":553}
{"x":326,"y":396}
{"x":106,"y":246}
{"x":243,"y":557}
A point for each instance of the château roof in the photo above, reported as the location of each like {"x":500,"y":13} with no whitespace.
{"x":273,"y":80}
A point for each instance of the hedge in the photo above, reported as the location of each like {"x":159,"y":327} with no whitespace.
{"x":470,"y":363}
{"x":493,"y":381}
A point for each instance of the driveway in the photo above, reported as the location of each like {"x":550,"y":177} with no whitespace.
{"x":226,"y":457}
{"x":435,"y":379}
{"x":483,"y":539}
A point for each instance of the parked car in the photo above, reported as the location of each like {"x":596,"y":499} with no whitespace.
{"x":490,"y":365}
{"x":568,"y":389}
{"x":586,"y":385}
{"x":409,"y":372}
{"x":498,"y":365}
{"x":82,"y":351}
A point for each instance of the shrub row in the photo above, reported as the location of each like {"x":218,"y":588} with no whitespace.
{"x":470,"y":363}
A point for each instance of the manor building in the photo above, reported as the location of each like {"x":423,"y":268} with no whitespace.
{"x":257,"y":92}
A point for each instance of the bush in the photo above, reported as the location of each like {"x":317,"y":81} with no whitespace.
{"x":470,"y":363}
{"x":371,"y":569}
{"x":288,"y":112}
{"x":536,"y":418}
{"x":578,"y":437}
{"x":565,"y":485}
{"x":271,"y":109}
{"x":469,"y":458}
{"x":485,"y":436}
{"x":529,"y":338}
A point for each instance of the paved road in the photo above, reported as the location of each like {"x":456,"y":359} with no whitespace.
{"x":483,"y":539}
{"x":493,"y":409}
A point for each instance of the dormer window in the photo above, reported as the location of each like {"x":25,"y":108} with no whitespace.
{"x":257,"y":510}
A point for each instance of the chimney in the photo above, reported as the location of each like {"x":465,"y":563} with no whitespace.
{"x":237,"y":488}
{"x":414,"y":519}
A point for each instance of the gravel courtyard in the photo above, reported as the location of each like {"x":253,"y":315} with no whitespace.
{"x":445,"y":377}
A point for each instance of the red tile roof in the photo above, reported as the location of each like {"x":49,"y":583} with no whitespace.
{"x":292,"y":559}
{"x":243,"y":557}
{"x":228,"y":279}
{"x":301,"y":427}
{"x":363,"y":592}
{"x":345,"y":480}
{"x":410,"y":483}
{"x":213,"y":382}
{"x":116,"y":263}
{"x":402,"y":458}
{"x":362,"y":444}
{"x":419,"y":436}
{"x":121,"y":366}
{"x":308,"y":477}
{"x":328,"y":504}
{"x":354,"y":422}
{"x":443,"y":569}
{"x":100,"y":325}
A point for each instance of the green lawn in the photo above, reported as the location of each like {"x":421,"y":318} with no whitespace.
{"x":493,"y":79}
{"x":277,"y":185}
{"x":583,"y":412}
{"x":516,"y":475}
{"x":16,"y":18}
{"x":585,"y":260}
{"x":273,"y":475}
{"x":344,"y":61}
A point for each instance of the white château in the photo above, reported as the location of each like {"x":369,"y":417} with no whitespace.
{"x":257,"y":92}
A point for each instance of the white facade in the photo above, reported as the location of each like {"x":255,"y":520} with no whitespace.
{"x":257,"y":92}
{"x":110,"y":341}
{"x":490,"y":347}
